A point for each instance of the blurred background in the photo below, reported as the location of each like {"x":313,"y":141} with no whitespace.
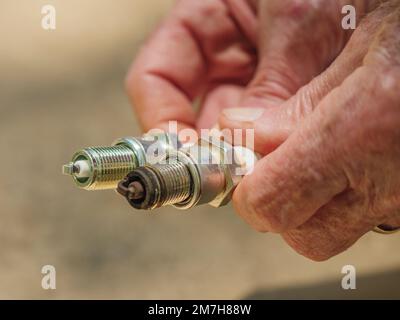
{"x":62,"y":90}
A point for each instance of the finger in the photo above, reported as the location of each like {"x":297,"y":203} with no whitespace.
{"x":244,"y":12}
{"x":340,"y":145}
{"x":372,"y":196}
{"x":297,"y":41}
{"x":221,"y":97}
{"x":274,"y":125}
{"x":158,"y":90}
{"x":294,"y":181}
{"x":334,"y":228}
{"x":311,"y":166}
{"x":371,"y":93}
{"x":197,"y":44}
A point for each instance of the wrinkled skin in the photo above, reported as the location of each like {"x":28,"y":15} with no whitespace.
{"x":327,"y":102}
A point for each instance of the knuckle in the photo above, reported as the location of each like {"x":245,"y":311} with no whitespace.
{"x":253,"y":209}
{"x":389,"y":82}
{"x":273,"y":80}
{"x":386,"y":46}
{"x":275,"y":205}
{"x":384,"y":87}
{"x":248,"y":217}
{"x":304,"y":103}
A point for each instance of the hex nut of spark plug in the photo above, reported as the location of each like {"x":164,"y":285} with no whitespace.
{"x":224,"y":155}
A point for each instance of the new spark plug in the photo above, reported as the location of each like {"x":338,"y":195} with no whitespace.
{"x":102,"y":168}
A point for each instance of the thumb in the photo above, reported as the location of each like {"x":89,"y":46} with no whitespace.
{"x":272,"y":126}
{"x":297,"y":41}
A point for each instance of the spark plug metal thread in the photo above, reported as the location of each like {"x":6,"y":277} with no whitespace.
{"x":151,"y":187}
{"x":108,"y":166}
{"x":177,"y":182}
{"x":102,"y":168}
{"x":198,"y":175}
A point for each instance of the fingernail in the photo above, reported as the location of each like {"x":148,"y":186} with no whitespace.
{"x":243,"y":114}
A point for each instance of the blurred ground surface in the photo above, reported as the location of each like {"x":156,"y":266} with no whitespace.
{"x":63,"y":90}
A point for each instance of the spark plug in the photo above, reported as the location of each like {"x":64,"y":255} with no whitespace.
{"x":102,"y":168}
{"x":207,"y":172}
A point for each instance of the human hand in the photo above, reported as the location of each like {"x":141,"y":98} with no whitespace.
{"x":335,"y":171}
{"x":230,"y":53}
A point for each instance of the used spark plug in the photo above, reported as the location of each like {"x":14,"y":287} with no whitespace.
{"x":206,"y":172}
{"x":102,"y":168}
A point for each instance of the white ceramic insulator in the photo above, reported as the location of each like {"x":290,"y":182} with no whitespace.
{"x":84,"y":169}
